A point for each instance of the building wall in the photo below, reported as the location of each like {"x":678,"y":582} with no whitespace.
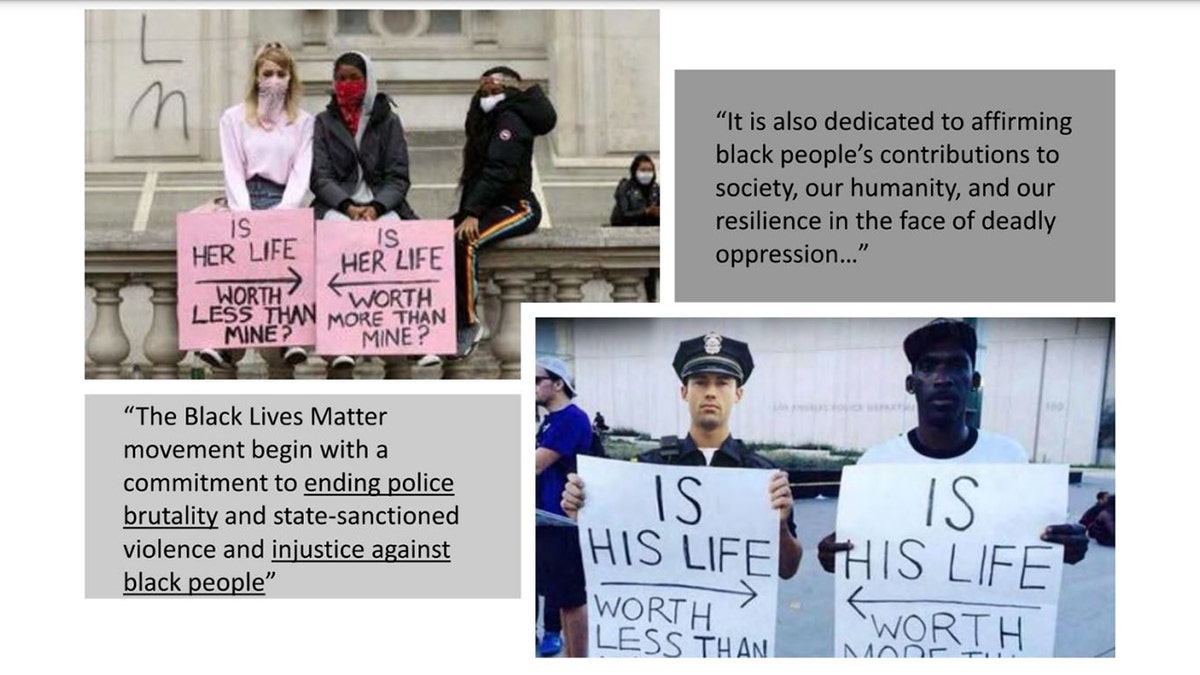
{"x":841,"y":381}
{"x":157,"y":80}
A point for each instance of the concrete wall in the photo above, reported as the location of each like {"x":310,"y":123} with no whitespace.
{"x":157,"y":80}
{"x":841,"y":381}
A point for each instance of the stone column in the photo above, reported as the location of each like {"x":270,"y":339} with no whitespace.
{"x":569,"y":284}
{"x":506,"y":344}
{"x":107,"y":344}
{"x":397,"y":368}
{"x":540,"y":287}
{"x":277,"y":368}
{"x":235,"y":357}
{"x":161,"y":345}
{"x":627,"y":284}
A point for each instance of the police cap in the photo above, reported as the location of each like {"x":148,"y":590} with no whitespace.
{"x":714,"y":353}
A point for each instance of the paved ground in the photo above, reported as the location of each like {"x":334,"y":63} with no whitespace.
{"x":1086,"y":612}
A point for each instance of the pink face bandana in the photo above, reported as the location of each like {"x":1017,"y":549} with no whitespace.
{"x":272,"y":101}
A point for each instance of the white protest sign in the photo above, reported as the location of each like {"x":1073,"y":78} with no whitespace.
{"x":948,"y":560}
{"x":679,"y":561}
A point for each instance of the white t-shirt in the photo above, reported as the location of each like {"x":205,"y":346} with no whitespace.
{"x":708,"y":454}
{"x":986,"y":449}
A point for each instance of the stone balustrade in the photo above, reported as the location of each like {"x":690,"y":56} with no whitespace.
{"x":567,"y":264}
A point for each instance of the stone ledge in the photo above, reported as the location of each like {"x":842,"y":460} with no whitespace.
{"x":153,"y":240}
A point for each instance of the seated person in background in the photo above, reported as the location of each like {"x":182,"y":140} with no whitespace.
{"x":636,"y":198}
{"x":636,"y":203}
{"x":1089,"y":516}
{"x":598,"y":423}
{"x":1103,"y":527}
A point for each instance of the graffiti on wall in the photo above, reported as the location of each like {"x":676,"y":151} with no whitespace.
{"x":163,"y":97}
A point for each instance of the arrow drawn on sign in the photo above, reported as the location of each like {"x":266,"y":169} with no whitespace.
{"x":749,"y":592}
{"x":334,"y":284}
{"x":294,"y":280}
{"x":855,"y":603}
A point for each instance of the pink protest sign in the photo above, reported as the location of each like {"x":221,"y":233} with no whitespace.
{"x":385,"y":287}
{"x":246,"y":279}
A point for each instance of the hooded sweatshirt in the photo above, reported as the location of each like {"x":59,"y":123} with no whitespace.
{"x":370,"y":167}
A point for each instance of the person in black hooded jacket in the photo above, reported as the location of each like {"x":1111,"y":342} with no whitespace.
{"x":496,"y":181}
{"x":360,"y":158}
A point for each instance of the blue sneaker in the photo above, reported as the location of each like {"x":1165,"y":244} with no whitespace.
{"x":551,"y":644}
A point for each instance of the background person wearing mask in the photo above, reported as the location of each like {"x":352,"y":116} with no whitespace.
{"x":636,"y":198}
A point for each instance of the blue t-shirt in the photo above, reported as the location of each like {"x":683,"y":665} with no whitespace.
{"x":569,"y":433}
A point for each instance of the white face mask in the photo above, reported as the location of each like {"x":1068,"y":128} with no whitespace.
{"x":487,"y":103}
{"x":644,"y":177}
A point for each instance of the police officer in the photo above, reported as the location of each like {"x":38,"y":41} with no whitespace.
{"x":712,"y":370}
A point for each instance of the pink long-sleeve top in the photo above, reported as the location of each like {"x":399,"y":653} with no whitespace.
{"x":282,"y":155}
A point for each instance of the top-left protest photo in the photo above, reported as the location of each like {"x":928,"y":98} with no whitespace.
{"x":338,"y":194}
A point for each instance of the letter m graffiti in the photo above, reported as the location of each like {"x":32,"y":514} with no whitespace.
{"x":160,"y":103}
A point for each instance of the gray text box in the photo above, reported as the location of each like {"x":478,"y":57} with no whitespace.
{"x":436,"y":518}
{"x":749,"y":230}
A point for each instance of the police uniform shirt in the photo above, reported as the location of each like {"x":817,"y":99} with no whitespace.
{"x":731,"y":454}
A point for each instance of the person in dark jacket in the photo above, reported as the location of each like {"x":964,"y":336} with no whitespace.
{"x":636,"y":203}
{"x":360,"y":158}
{"x":636,"y":198}
{"x":1089,"y":516}
{"x":1103,"y":527}
{"x":496,"y":181}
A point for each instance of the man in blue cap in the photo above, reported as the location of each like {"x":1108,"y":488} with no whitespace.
{"x":565,"y":433}
{"x":712,"y":369}
{"x":942,"y":356}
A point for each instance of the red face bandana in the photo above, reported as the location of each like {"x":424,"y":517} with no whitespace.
{"x":349,"y":94}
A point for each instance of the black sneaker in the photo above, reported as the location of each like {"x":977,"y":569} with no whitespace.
{"x":342,"y":362}
{"x":217,"y":358}
{"x":294,"y":356}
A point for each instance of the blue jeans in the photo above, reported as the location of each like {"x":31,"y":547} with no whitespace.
{"x":264,"y":194}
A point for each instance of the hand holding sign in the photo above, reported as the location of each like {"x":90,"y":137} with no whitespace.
{"x":572,"y":497}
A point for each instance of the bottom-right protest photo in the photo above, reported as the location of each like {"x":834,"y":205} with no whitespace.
{"x":825,"y":487}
